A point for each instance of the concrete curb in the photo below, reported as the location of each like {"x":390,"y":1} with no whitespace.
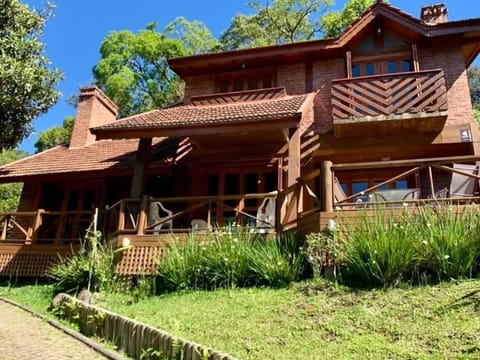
{"x":87,"y":341}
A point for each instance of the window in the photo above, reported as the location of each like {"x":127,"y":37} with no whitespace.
{"x":246,"y":80}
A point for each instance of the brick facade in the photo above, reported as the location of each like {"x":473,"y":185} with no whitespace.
{"x":450,"y":59}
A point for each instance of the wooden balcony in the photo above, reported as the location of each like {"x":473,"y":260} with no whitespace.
{"x":389,"y":104}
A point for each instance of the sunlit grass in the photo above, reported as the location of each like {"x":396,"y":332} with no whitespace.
{"x":308,"y":321}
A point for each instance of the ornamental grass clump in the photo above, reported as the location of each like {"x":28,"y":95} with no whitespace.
{"x":431,"y":244}
{"x":449,"y":246}
{"x":234,"y":257}
{"x":379,"y":251}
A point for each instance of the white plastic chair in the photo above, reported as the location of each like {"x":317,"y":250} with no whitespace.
{"x":199,"y":225}
{"x":154,"y":216}
{"x":461,"y":185}
{"x":266,"y":214}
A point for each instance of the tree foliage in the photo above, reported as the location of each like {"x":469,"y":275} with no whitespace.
{"x":195,"y":36}
{"x":333,"y":23}
{"x":276,"y":22}
{"x":133,"y":70}
{"x":10,"y":193}
{"x":55,"y":135}
{"x":473,"y":74}
{"x":27,"y":78}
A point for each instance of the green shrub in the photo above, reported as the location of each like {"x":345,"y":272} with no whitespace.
{"x":233,"y":258}
{"x":431,"y":244}
{"x":91,"y":268}
{"x":276,"y":262}
{"x":380,"y":250}
{"x":450,"y":242}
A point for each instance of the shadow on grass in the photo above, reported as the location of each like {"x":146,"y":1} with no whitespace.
{"x":470,"y":299}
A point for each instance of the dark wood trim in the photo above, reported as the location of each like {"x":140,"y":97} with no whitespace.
{"x":349,"y":64}
{"x":289,"y":122}
{"x":141,"y":167}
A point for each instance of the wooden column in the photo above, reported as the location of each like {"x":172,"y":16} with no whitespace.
{"x":142,"y":218}
{"x":326,"y":186}
{"x":293,"y":156}
{"x":294,"y":172}
{"x":141,"y":167}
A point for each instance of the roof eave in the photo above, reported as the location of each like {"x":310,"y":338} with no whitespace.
{"x":180,"y":131}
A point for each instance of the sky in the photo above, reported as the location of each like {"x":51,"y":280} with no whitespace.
{"x":75,"y":32}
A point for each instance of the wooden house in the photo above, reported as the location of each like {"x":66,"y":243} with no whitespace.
{"x":275,"y":138}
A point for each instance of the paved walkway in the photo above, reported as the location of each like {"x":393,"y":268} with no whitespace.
{"x":24,"y":336}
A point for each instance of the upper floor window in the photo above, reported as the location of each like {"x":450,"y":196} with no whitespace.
{"x":246,"y":80}
{"x":381,"y":53}
{"x":375,"y":66}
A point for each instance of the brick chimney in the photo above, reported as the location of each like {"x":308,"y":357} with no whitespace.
{"x":434,"y":14}
{"x":94,"y":109}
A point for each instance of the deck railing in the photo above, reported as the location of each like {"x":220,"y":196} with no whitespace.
{"x":384,"y":95}
{"x":41,"y":226}
{"x":428,"y":188}
{"x":132,"y":216}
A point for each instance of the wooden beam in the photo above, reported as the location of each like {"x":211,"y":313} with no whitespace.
{"x":293,"y":156}
{"x":141,"y":166}
{"x":326,"y":185}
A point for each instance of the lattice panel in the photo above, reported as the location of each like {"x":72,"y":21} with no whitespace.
{"x":139,"y":260}
{"x":26,"y":265}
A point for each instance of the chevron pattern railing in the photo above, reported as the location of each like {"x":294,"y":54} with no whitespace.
{"x":391,"y":94}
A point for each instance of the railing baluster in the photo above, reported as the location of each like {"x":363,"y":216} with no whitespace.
{"x":412,"y":92}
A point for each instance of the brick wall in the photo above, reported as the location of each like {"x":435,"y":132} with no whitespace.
{"x":450,"y":59}
{"x":198,"y":85}
{"x":94,"y":109}
{"x":292,"y":78}
{"x":323,"y":74}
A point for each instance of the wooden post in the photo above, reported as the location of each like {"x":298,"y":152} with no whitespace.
{"x":142,"y":218}
{"x":6,"y":218}
{"x":141,"y":167}
{"x":430,"y":177}
{"x":37,"y":222}
{"x":326,"y":186}
{"x":293,"y":157}
{"x":121,"y":216}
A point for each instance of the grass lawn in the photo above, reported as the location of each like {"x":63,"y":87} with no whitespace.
{"x":307,"y":322}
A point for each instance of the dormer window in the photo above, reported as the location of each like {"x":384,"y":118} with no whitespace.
{"x":246,"y":80}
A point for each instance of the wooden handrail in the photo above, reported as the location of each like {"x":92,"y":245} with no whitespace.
{"x":379,"y":76}
{"x":404,"y":163}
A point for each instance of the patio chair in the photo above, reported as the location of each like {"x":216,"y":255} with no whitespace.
{"x":199,"y":225}
{"x":339,"y":195}
{"x":462,"y":185}
{"x":266,"y":214}
{"x":154,"y":216}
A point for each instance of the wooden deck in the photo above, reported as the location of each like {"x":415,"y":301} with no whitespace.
{"x":305,"y":207}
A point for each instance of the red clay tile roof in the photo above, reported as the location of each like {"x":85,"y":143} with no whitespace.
{"x":104,"y":155}
{"x":191,"y":115}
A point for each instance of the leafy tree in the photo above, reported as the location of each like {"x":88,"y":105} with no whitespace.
{"x":10,"y":193}
{"x":278,"y":22}
{"x":473,"y":74}
{"x":333,"y":23}
{"x":195,"y":36}
{"x":27,"y":78}
{"x":133,"y":70}
{"x":56,"y":135}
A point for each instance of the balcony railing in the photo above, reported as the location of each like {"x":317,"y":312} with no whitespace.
{"x":391,"y":94}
